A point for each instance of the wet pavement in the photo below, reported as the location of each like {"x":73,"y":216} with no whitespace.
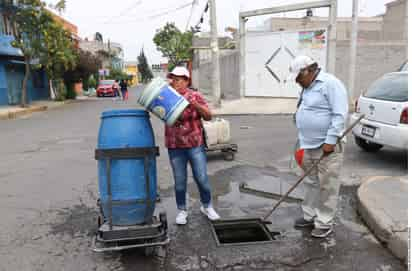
{"x":193,"y":246}
{"x":49,"y":193}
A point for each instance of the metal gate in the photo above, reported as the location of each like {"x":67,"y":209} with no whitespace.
{"x":268,"y":55}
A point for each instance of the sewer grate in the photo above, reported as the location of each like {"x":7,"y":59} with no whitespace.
{"x":241,"y":232}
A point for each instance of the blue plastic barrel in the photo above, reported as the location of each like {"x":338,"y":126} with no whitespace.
{"x":127,"y":129}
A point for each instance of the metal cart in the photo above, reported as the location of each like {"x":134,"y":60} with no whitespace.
{"x":149,"y":235}
{"x":228,"y":150}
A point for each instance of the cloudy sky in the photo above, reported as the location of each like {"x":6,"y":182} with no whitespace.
{"x":133,"y":23}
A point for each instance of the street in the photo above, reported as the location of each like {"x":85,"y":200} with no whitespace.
{"x":48,"y":196}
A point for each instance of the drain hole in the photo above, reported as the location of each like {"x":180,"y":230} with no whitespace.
{"x":236,"y":232}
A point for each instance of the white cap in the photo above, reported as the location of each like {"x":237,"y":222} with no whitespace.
{"x":297,"y":64}
{"x":180,"y":71}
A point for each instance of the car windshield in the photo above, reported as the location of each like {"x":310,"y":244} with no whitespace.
{"x":404,"y":67}
{"x":106,"y":82}
{"x":390,"y":87}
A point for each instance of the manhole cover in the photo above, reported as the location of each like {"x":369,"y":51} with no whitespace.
{"x":241,"y":232}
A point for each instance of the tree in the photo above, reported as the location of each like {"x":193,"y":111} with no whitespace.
{"x":87,"y":65}
{"x":174,"y":44}
{"x":40,"y":38}
{"x":143,"y":67}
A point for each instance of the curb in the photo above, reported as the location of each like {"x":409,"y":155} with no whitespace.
{"x":22,"y":112}
{"x":396,"y":240}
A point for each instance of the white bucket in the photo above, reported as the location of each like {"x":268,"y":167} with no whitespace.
{"x":163,"y":101}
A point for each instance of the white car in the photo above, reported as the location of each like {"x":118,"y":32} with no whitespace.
{"x":385,"y":105}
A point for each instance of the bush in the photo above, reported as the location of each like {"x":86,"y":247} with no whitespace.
{"x":60,"y":89}
{"x":71,"y":94}
{"x":91,"y":83}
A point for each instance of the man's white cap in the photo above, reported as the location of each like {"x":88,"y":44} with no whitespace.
{"x":297,"y":64}
{"x":180,"y":71}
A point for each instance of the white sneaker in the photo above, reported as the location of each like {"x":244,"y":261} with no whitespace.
{"x":181,"y":218}
{"x":210,"y":213}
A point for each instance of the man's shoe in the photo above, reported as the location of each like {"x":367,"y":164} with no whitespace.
{"x":303,"y":223}
{"x":321,"y":233}
{"x":181,"y":218}
{"x":210,"y":213}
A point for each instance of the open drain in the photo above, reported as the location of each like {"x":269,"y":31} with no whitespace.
{"x":241,"y":232}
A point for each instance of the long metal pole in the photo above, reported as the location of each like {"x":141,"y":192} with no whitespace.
{"x":353,"y":45}
{"x":331,"y":58}
{"x":242,"y":27}
{"x":308,"y":171}
{"x":214,"y":45}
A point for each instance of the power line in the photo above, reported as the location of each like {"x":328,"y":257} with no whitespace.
{"x":191,"y":13}
{"x":125,"y":11}
{"x":155,"y":16}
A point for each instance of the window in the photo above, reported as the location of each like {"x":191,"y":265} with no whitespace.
{"x":390,"y":87}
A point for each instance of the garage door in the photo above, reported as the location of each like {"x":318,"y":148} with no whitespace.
{"x":268,"y":55}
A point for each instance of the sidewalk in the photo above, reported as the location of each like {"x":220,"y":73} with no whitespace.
{"x":383,"y":205}
{"x":12,"y":112}
{"x":259,"y":106}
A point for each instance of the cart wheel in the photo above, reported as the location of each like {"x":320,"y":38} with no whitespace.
{"x":163,"y":220}
{"x":149,"y":251}
{"x":229,"y":156}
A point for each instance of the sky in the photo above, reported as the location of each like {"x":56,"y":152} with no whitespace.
{"x":133,"y":23}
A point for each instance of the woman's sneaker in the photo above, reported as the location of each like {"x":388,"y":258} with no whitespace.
{"x":181,"y":218}
{"x":210,"y":213}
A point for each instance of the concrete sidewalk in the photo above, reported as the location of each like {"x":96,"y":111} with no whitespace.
{"x":259,"y":106}
{"x":12,"y":112}
{"x":383,"y":205}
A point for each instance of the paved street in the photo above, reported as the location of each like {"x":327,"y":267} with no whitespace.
{"x":48,"y":199}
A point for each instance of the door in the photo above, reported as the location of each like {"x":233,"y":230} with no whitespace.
{"x":267,"y":58}
{"x":15,"y":76}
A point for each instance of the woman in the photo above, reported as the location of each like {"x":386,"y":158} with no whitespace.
{"x":123,"y":88}
{"x":184,"y":141}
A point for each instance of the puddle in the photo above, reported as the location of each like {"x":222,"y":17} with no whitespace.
{"x":78,"y":219}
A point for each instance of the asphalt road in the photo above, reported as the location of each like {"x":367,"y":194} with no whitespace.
{"x":49,"y":190}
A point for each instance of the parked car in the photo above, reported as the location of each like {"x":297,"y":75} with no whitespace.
{"x":403,"y":67}
{"x":385,"y":105}
{"x":105,"y":88}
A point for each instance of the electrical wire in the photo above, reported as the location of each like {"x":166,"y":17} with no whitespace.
{"x":125,"y":11}
{"x":155,"y":16}
{"x":191,"y":13}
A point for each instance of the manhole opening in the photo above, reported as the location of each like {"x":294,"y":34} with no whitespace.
{"x":242,"y":232}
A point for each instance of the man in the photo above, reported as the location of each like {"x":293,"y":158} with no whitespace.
{"x":184,"y":141}
{"x":320,"y":120}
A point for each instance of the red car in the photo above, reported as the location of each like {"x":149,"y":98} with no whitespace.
{"x":105,"y":88}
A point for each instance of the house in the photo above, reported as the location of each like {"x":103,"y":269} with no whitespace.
{"x":111,"y":53}
{"x":131,"y":69}
{"x":12,"y":67}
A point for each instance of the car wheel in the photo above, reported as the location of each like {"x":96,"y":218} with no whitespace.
{"x":366,"y":145}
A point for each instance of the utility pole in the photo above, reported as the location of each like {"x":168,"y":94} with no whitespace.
{"x":331,"y":57}
{"x":353,"y":45}
{"x":214,"y":46}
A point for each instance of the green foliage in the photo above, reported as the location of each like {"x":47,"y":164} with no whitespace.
{"x":60,"y":88}
{"x":174,"y":44}
{"x":91,"y":83}
{"x":87,"y":65}
{"x":144,"y":69}
{"x":118,"y":74}
{"x":58,"y":53}
{"x":71,"y":94}
{"x":41,"y":38}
